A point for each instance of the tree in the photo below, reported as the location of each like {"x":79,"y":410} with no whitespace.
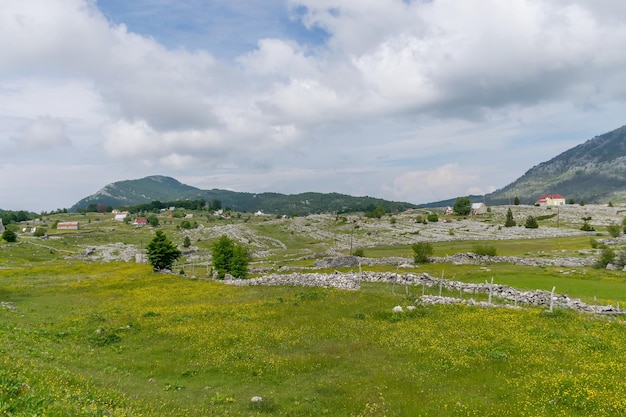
{"x":510,"y":221}
{"x":422,"y":252}
{"x":153,"y":220}
{"x":516,"y":201}
{"x":186,"y":242}
{"x":161,"y":252}
{"x":229,"y":258}
{"x":9,"y":236}
{"x":531,"y":223}
{"x":462,"y":206}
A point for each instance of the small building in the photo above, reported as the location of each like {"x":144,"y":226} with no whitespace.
{"x":120,"y":216}
{"x":551,"y":200}
{"x":140,"y":221}
{"x":479,"y":208}
{"x":448,"y":210}
{"x":68,"y":226}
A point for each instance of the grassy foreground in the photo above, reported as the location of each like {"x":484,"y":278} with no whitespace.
{"x":117,"y":340}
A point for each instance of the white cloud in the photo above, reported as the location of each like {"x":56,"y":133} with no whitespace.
{"x":447,"y":181}
{"x":432,"y":84}
{"x":42,"y":134}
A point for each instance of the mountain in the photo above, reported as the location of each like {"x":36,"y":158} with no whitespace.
{"x":165,"y":189}
{"x":594,"y":172}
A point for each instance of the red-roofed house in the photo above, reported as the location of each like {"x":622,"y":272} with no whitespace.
{"x":140,"y":221}
{"x":550,"y":200}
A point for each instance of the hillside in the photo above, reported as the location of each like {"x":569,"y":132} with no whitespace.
{"x":594,"y":172}
{"x":160,"y":188}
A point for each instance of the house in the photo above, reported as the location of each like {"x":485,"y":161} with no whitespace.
{"x":120,"y":216}
{"x":140,"y":221}
{"x":449,"y":210}
{"x":550,"y":200}
{"x":479,"y":208}
{"x":68,"y":226}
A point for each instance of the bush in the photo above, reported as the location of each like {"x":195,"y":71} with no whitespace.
{"x":359,"y":252}
{"x":531,"y":223}
{"x":433,"y":218}
{"x":614,"y":229}
{"x":39,"y":232}
{"x":587,"y":227}
{"x":484,"y":250}
{"x":9,"y":236}
{"x":606,"y":257}
{"x":422,"y":252}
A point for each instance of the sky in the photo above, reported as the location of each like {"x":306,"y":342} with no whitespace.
{"x":414,"y":100}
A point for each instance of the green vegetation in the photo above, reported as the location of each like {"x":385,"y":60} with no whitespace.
{"x":9,"y":236}
{"x":510,"y":221}
{"x":230,"y":258}
{"x":531,"y":223}
{"x":85,"y":337}
{"x":95,"y":340}
{"x":422,"y":251}
{"x":462,"y":206}
{"x":161,"y":252}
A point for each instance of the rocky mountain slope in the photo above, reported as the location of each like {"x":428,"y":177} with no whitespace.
{"x":594,"y":171}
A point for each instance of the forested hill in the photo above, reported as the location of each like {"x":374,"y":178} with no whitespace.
{"x":160,"y":188}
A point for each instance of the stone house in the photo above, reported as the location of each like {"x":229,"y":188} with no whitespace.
{"x":479,"y":208}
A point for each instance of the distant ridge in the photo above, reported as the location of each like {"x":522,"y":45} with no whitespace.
{"x":165,"y":189}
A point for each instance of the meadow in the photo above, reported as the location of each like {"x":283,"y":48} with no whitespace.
{"x":91,"y":338}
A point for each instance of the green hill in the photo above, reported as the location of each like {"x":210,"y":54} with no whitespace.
{"x":165,"y":189}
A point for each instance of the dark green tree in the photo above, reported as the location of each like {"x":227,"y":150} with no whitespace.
{"x":516,"y":201}
{"x":229,"y":258}
{"x":531,"y":223}
{"x":422,"y":251}
{"x":9,"y":236}
{"x":186,"y":242}
{"x":161,"y":252}
{"x":153,"y":220}
{"x":462,"y":206}
{"x":510,"y":221}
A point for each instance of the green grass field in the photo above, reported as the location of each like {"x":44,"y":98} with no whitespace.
{"x":117,"y":340}
{"x":91,"y":338}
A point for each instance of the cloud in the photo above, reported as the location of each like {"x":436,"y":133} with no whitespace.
{"x":391,"y":85}
{"x":42,"y":134}
{"x":437,"y":184}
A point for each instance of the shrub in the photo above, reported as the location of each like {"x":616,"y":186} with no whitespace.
{"x":531,"y":223}
{"x":359,"y":252}
{"x":587,"y":227}
{"x":484,"y":250}
{"x":420,"y":219}
{"x":230,"y":258}
{"x":39,"y":232}
{"x":433,"y":218}
{"x":606,"y":257}
{"x":9,"y":236}
{"x":614,"y":229}
{"x":422,"y":252}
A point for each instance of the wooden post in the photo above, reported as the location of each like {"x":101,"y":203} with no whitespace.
{"x":552,"y":298}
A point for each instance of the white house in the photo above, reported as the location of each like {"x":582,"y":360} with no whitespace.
{"x":551,"y":200}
